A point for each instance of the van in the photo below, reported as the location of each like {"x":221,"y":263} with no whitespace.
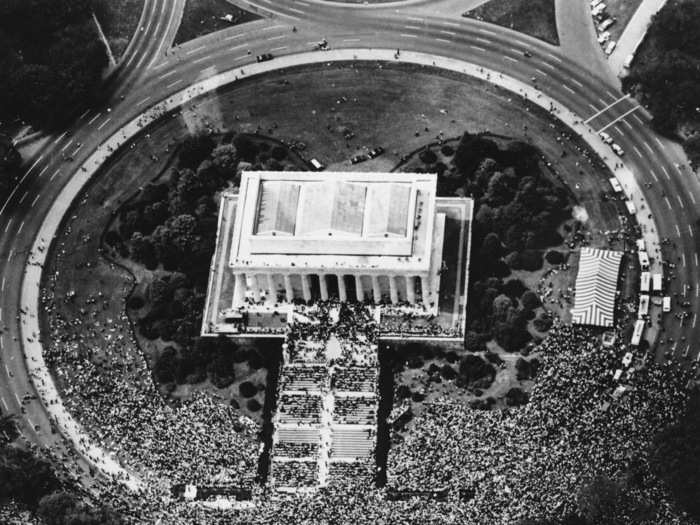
{"x":666,"y":304}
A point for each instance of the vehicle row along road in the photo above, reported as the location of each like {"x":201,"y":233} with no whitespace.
{"x":151,"y":74}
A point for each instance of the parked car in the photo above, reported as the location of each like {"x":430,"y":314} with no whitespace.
{"x":606,"y":138}
{"x":374,"y":153}
{"x":359,"y":158}
{"x":617,"y":149}
{"x":264,"y":57}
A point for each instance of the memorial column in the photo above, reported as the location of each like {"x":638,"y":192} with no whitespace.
{"x":410,"y":290}
{"x":342,"y":291}
{"x":305,"y":287}
{"x":323,"y":285}
{"x":376,"y":290}
{"x":393,"y":292}
{"x":239,"y":290}
{"x":359,"y":292}
{"x":288,"y":290}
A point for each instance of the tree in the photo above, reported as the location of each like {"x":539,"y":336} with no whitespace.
{"x":599,"y":499}
{"x":530,"y":300}
{"x":25,"y":477}
{"x":64,"y":508}
{"x":194,"y":149}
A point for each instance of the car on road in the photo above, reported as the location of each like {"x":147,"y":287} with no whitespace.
{"x":374,"y":153}
{"x":359,"y":158}
{"x":606,"y":138}
{"x":617,"y":149}
{"x":527,"y":54}
{"x":264,"y":57}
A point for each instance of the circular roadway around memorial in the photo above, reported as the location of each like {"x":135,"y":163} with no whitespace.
{"x":420,"y":121}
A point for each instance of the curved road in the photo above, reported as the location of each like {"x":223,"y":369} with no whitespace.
{"x":150,"y":73}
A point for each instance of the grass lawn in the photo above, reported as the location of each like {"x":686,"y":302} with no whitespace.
{"x":202,"y":17}
{"x":622,"y":10}
{"x":532,"y":17}
{"x":119,"y":20}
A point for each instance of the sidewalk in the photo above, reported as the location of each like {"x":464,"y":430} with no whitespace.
{"x":633,"y":35}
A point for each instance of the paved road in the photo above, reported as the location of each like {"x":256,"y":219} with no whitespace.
{"x":150,"y":74}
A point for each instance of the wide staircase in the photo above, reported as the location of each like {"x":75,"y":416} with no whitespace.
{"x":325,"y":424}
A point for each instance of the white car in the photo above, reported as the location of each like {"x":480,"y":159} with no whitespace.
{"x":617,"y":149}
{"x":610,"y":47}
{"x":606,"y":138}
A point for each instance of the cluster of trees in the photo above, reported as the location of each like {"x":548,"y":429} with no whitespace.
{"x":170,"y":228}
{"x":517,"y":212}
{"x":51,"y":58}
{"x":31,"y":482}
{"x":10,"y":161}
{"x":207,"y":358}
{"x":668,"y":83}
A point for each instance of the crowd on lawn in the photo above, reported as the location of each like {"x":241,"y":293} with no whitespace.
{"x":527,"y":462}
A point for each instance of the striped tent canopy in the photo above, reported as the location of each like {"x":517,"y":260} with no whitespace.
{"x":596,"y":284}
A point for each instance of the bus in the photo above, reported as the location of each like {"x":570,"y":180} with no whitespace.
{"x":643,"y":306}
{"x":643,"y":260}
{"x":615,"y":185}
{"x":638,"y":332}
{"x":656,"y":282}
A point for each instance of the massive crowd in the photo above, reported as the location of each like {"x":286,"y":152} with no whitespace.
{"x":527,"y":462}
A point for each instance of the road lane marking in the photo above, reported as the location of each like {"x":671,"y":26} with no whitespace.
{"x":541,"y":72}
{"x":35,"y":163}
{"x":635,"y":148}
{"x":175,"y":83}
{"x":2,"y":287}
{"x":477,"y":48}
{"x":692,"y":197}
{"x":26,"y":194}
{"x":453,"y":24}
{"x":646,"y":144}
{"x":93,"y":119}
{"x":510,"y":58}
{"x":482,"y":40}
{"x":678,"y":230}
{"x":233,"y":37}
{"x":143,"y":101}
{"x":414,"y":18}
{"x":408,"y":35}
{"x":680,"y":201}
{"x":58,"y":139}
{"x":555,"y":57}
{"x":417,"y":28}
{"x":66,"y":145}
{"x":34,"y":201}
{"x":450,"y":41}
{"x":635,"y":108}
{"x":20,"y":227}
{"x":658,"y":141}
{"x":570,"y":90}
{"x":551,"y":66}
{"x":43,"y":170}
{"x":579,"y":84}
{"x":695,"y":319}
{"x":683,"y":262}
{"x":668,"y":203}
{"x":276,"y":37}
{"x":166,"y":75}
{"x":653,"y":174}
{"x":605,"y":108}
{"x":201,"y":59}
{"x":282,"y":48}
{"x":7,"y":226}
{"x":445,"y":32}
{"x":696,"y":258}
{"x":690,"y":231}
{"x":296,"y":10}
{"x":351,"y":39}
{"x":192,"y":51}
{"x":663,"y":168}
{"x":81,"y":117}
{"x":54,"y":174}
